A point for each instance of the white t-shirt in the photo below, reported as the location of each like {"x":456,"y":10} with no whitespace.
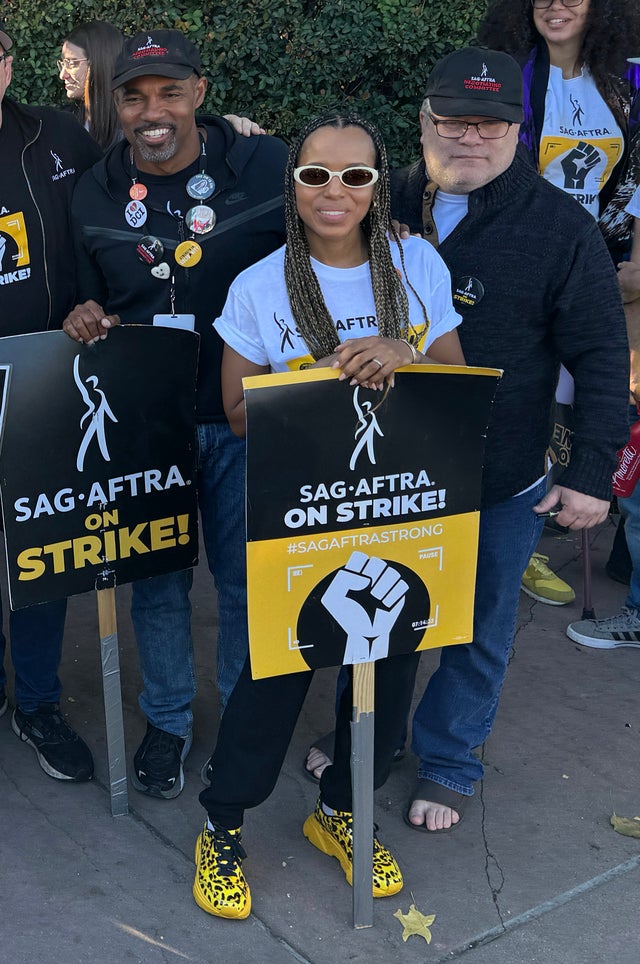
{"x":581,"y":142}
{"x":633,"y":207}
{"x":448,"y":212}
{"x":256,"y":320}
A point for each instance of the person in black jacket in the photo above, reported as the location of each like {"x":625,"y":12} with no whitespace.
{"x":535,"y":286}
{"x":43,"y":152}
{"x":533,"y":281}
{"x":213,"y":205}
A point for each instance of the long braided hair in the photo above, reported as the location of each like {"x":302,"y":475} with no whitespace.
{"x":305,"y":295}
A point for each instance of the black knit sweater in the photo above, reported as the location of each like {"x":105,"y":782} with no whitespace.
{"x":550,"y":296}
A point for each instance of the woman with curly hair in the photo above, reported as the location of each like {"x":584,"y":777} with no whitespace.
{"x":582,"y":129}
{"x":284,"y":313}
{"x":581,"y":100}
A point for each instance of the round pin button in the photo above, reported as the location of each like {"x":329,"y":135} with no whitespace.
{"x":468,"y":291}
{"x":188,"y":254}
{"x":200,"y":187}
{"x":201,"y":219}
{"x":137,"y":192}
{"x":135,"y":214}
{"x":150,"y":249}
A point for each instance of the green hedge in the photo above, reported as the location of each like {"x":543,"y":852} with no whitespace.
{"x":279,"y":62}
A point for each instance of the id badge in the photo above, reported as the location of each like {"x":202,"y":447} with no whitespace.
{"x":186,"y":322}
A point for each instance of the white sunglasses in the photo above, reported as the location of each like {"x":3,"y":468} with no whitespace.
{"x":311,"y":175}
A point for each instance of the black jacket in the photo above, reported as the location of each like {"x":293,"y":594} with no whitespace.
{"x":548,"y":294}
{"x":248,"y":202}
{"x":54,"y":152}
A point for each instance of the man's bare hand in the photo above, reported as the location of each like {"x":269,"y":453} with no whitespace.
{"x":88,"y":323}
{"x":579,"y":511}
{"x":244,"y":125}
{"x":402,"y":230}
{"x":629,"y":280}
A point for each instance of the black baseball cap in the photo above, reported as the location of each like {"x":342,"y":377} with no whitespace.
{"x":478,"y":81}
{"x":5,"y":39}
{"x":165,"y":53}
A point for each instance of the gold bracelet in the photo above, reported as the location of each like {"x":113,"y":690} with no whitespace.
{"x":414,"y":353}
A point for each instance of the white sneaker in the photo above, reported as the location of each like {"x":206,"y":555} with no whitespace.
{"x":612,"y":633}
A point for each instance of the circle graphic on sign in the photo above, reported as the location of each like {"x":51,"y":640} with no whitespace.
{"x":367,"y":609}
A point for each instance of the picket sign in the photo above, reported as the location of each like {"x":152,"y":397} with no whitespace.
{"x":98,"y":478}
{"x":362,"y":533}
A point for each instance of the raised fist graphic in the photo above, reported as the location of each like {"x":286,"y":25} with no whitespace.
{"x":365,"y":598}
{"x":577,"y":164}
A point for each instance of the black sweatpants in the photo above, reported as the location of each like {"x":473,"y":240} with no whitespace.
{"x":258,"y":723}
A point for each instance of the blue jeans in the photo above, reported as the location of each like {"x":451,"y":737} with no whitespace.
{"x":160,"y":607}
{"x":36,"y":647}
{"x":459,"y":705}
{"x":630,"y":511}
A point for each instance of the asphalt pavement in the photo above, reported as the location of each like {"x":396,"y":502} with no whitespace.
{"x":535,"y":873}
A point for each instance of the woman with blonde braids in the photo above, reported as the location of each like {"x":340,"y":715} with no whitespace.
{"x":336,"y":295}
{"x":337,"y":256}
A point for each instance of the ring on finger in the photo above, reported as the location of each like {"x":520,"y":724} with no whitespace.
{"x":378,"y":362}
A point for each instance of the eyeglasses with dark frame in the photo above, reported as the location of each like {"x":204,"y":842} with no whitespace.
{"x":545,"y":4}
{"x":313,"y":175}
{"x":4,"y":56}
{"x":68,"y":64}
{"x":489,"y":130}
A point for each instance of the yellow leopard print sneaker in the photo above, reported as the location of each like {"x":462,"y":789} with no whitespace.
{"x":220,"y":887}
{"x":334,"y":836}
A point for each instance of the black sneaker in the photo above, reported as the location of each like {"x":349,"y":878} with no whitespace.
{"x":60,"y":751}
{"x":157,"y":765}
{"x":4,"y":702}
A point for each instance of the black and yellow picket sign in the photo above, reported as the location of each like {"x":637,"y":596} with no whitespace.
{"x":98,"y":473}
{"x":362,"y":514}
{"x":98,"y":459}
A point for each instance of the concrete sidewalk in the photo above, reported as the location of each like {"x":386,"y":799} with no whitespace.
{"x":534,"y":874}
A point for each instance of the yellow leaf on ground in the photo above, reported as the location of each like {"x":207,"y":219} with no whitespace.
{"x":626,"y":825}
{"x":415,"y":923}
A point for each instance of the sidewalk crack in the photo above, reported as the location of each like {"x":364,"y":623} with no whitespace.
{"x":493,"y":870}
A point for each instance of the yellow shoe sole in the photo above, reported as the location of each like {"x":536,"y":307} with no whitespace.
{"x":318,"y":836}
{"x":231,"y":911}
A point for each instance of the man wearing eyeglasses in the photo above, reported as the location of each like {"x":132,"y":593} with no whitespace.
{"x":535,"y":286}
{"x":42,"y":154}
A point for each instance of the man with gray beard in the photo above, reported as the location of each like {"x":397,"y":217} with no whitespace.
{"x":162,"y":226}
